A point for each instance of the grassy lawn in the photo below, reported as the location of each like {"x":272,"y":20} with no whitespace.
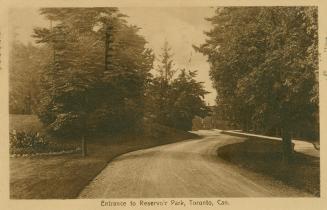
{"x":64,"y":176}
{"x":21,"y":122}
{"x":264,"y":156}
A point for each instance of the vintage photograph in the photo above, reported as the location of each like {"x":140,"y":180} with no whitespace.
{"x":164,"y":102}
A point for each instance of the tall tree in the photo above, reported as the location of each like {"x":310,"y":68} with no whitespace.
{"x":264,"y":64}
{"x":97,"y":77}
{"x":175,"y":100}
{"x":160,"y":101}
{"x":166,"y":65}
{"x":188,"y":97}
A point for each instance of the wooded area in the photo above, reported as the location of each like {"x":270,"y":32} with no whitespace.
{"x":93,"y":97}
{"x":90,"y":72}
{"x":264,"y":66}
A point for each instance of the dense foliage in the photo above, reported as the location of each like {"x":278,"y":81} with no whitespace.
{"x":26,"y":64}
{"x":174,"y":100}
{"x":264,"y":64}
{"x":97,"y":75}
{"x":22,"y":143}
{"x":89,"y":72}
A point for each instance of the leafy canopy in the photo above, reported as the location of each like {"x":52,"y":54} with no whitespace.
{"x":99,"y":69}
{"x":264,"y":63}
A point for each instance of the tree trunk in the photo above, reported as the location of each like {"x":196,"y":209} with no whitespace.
{"x":287,"y":145}
{"x":84,"y":147}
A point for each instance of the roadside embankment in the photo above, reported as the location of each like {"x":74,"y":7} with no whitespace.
{"x":302,"y":146}
{"x":263,"y":154}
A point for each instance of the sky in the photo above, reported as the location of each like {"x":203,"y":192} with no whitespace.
{"x":182,"y":27}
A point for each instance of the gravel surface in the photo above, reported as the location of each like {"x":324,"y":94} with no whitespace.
{"x":185,"y":169}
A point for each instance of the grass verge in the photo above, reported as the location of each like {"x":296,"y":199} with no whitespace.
{"x":264,"y":156}
{"x":64,"y":176}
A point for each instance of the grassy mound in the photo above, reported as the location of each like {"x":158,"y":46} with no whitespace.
{"x":265,"y":156}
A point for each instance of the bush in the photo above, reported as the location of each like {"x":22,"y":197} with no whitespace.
{"x":32,"y":143}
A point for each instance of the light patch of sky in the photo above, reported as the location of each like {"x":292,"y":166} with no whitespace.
{"x":181,"y":27}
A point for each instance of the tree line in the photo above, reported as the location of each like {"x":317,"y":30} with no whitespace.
{"x":91,"y":71}
{"x":264,"y":66}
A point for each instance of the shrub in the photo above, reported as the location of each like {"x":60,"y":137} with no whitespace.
{"x":32,"y":143}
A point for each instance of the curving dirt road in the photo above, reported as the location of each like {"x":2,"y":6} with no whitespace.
{"x":185,"y":169}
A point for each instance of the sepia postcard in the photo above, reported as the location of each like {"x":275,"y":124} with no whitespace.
{"x":163,"y":104}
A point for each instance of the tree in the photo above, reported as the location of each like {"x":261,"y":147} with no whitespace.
{"x":188,"y":96}
{"x":159,"y":90}
{"x":26,"y":62}
{"x":174,"y":102}
{"x":97,"y":76}
{"x":264,"y":64}
{"x":127,"y":76}
{"x":166,"y":65}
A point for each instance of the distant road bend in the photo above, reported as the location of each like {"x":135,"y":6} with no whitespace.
{"x":189,"y":168}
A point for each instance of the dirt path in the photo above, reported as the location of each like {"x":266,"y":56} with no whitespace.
{"x":185,"y":169}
